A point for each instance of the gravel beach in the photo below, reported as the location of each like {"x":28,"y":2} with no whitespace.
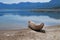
{"x":51,"y":33}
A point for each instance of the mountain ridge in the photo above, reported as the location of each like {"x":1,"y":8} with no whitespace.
{"x":30,"y":5}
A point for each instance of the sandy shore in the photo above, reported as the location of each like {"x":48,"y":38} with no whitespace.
{"x":51,"y":33}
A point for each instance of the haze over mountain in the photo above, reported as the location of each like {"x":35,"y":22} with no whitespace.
{"x":29,"y":5}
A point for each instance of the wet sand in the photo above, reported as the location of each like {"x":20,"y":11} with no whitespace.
{"x":51,"y":33}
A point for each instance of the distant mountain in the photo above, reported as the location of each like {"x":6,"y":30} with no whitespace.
{"x":23,"y":5}
{"x":55,"y":3}
{"x":29,"y":5}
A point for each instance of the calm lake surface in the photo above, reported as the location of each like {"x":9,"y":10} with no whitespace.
{"x":19,"y":19}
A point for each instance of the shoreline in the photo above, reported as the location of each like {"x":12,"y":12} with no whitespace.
{"x":52,"y":33}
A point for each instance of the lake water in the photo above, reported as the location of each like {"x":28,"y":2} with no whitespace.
{"x":19,"y":19}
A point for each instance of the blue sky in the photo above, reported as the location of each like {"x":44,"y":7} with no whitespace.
{"x":17,"y":1}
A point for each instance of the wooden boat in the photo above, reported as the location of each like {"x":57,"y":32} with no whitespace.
{"x":33,"y":26}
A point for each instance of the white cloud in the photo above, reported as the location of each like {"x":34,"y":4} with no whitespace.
{"x":17,"y":1}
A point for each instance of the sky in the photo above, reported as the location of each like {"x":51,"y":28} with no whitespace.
{"x":17,"y":1}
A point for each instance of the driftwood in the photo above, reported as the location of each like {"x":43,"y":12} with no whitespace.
{"x":33,"y":26}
